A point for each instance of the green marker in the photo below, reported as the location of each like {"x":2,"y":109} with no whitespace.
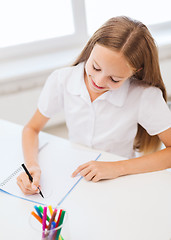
{"x":60,"y":223}
{"x":41,"y":210}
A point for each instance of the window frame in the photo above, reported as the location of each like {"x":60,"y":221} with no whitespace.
{"x":77,"y":39}
{"x":23,"y":66}
{"x":54,"y":44}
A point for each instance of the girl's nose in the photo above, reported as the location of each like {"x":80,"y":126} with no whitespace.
{"x":100,"y":80}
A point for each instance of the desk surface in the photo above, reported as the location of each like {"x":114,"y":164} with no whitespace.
{"x":136,"y":207}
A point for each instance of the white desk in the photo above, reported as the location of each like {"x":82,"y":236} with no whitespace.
{"x":136,"y":207}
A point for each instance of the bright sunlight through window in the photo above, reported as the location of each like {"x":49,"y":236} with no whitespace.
{"x":149,"y":12}
{"x":23,"y":21}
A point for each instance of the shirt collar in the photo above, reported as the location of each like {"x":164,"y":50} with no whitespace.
{"x":76,"y":86}
{"x":118,"y":96}
{"x":76,"y":80}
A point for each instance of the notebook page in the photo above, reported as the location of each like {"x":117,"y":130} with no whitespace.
{"x":57,"y":162}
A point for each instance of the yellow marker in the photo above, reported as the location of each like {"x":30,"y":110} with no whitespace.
{"x":50,"y":210}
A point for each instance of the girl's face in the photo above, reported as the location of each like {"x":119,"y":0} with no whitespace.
{"x":105,"y":70}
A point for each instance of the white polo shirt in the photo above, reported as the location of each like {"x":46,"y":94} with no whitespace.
{"x":110,"y":122}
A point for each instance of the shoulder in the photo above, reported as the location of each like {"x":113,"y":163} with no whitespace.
{"x":146,"y":93}
{"x":154,"y":114}
{"x":66,"y":72}
{"x":60,"y":78}
{"x":152,"y":95}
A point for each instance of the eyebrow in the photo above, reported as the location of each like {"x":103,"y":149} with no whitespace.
{"x":111,"y":75}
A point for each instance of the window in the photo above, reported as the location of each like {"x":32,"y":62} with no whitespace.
{"x":48,"y":29}
{"x":23,"y":21}
{"x":40,"y":27}
{"x":44,"y":26}
{"x":149,"y":12}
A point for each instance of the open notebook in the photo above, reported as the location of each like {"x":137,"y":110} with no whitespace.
{"x":57,"y":161}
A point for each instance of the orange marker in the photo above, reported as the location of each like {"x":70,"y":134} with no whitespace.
{"x":37,"y":217}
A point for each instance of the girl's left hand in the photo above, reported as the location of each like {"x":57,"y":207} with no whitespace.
{"x":95,"y":171}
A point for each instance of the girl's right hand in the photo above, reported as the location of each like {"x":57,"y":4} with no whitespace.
{"x":24,"y":183}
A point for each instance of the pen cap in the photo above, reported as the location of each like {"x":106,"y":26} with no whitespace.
{"x":59,"y":228}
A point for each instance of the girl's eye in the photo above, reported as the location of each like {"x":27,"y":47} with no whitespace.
{"x":97,"y":69}
{"x":114,"y":80}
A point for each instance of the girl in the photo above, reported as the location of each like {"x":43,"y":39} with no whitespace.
{"x":114,"y":100}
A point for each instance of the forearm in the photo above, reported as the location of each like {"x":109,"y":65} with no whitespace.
{"x":98,"y":170}
{"x":153,"y":162}
{"x":30,"y":146}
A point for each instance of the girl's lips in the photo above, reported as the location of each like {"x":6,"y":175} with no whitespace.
{"x":96,"y":85}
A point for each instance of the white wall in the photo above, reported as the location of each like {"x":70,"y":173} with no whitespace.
{"x":165,"y":66}
{"x":19,"y":107}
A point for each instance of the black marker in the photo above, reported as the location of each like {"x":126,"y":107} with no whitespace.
{"x":30,"y":177}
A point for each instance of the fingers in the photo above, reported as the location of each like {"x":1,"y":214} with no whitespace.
{"x":36,"y":180}
{"x":26,"y":186}
{"x":79,"y":169}
{"x":88,"y":171}
{"x":90,"y":175}
{"x":95,"y":179}
{"x":25,"y":190}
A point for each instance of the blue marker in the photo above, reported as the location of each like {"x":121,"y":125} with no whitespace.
{"x":53,"y":224}
{"x":38,"y":211}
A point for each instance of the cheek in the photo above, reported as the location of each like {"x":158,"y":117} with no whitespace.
{"x":88,"y":69}
{"x":113,"y":86}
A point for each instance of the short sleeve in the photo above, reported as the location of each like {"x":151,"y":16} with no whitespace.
{"x":154,"y":113}
{"x":51,"y":98}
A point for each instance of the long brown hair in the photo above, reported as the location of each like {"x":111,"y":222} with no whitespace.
{"x":133,"y":39}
